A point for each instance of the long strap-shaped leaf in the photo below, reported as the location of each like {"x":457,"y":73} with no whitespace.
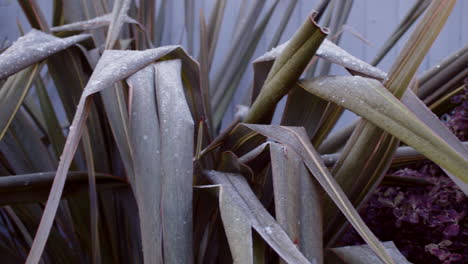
{"x":327,"y":50}
{"x":360,"y":254}
{"x":93,"y":23}
{"x":286,"y":69}
{"x":177,"y":143}
{"x":369,"y":99}
{"x":297,"y":139}
{"x":163,"y":147}
{"x":367,"y":155}
{"x":32,"y":188}
{"x":145,"y":140}
{"x":31,"y":48}
{"x":12,"y":94}
{"x":119,"y":15}
{"x":235,"y":194}
{"x":297,"y":201}
{"x":111,"y":68}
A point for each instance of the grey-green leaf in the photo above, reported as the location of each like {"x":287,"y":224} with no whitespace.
{"x":145,"y":140}
{"x":362,"y":254}
{"x":13,"y":93}
{"x":177,"y":142}
{"x":242,"y":197}
{"x":93,"y":23}
{"x":297,"y":201}
{"x":368,"y":98}
{"x":31,"y":48}
{"x":297,"y":139}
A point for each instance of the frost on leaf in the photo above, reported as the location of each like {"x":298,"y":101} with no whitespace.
{"x":31,"y":48}
{"x":93,"y":23}
{"x":331,"y":52}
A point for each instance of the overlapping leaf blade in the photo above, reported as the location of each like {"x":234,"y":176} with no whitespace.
{"x":31,"y":48}
{"x":242,"y":197}
{"x":112,"y":67}
{"x":13,"y":93}
{"x":177,"y":142}
{"x":360,"y":254}
{"x":375,"y":103}
{"x":297,"y":139}
{"x":298,"y":206}
{"x":145,"y":139}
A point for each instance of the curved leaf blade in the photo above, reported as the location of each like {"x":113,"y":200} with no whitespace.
{"x":236,"y":187}
{"x":31,"y":48}
{"x":362,"y":254}
{"x":111,"y":68}
{"x":13,"y":93}
{"x":93,"y":23}
{"x":297,"y":139}
{"x":369,"y":99}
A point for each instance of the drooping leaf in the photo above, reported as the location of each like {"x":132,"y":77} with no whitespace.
{"x":93,"y":23}
{"x":235,"y":191}
{"x":362,"y":254}
{"x":31,"y":48}
{"x":368,"y":153}
{"x":34,"y":187}
{"x":112,"y":67}
{"x":297,"y":139}
{"x":368,"y":98}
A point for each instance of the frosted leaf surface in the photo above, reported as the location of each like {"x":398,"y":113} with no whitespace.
{"x":363,"y":254}
{"x":116,"y":65}
{"x":331,"y":52}
{"x":93,"y":23}
{"x":145,"y":142}
{"x":371,"y":100}
{"x":273,"y":53}
{"x":31,"y":48}
{"x":236,"y":194}
{"x":177,"y":141}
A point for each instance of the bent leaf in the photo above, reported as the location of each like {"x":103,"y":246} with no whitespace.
{"x":297,"y":139}
{"x":31,"y":48}
{"x":369,"y":99}
{"x":362,"y":254}
{"x":235,"y":190}
{"x":33,"y":188}
{"x":111,"y":68}
{"x":297,"y":197}
{"x":93,"y":23}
